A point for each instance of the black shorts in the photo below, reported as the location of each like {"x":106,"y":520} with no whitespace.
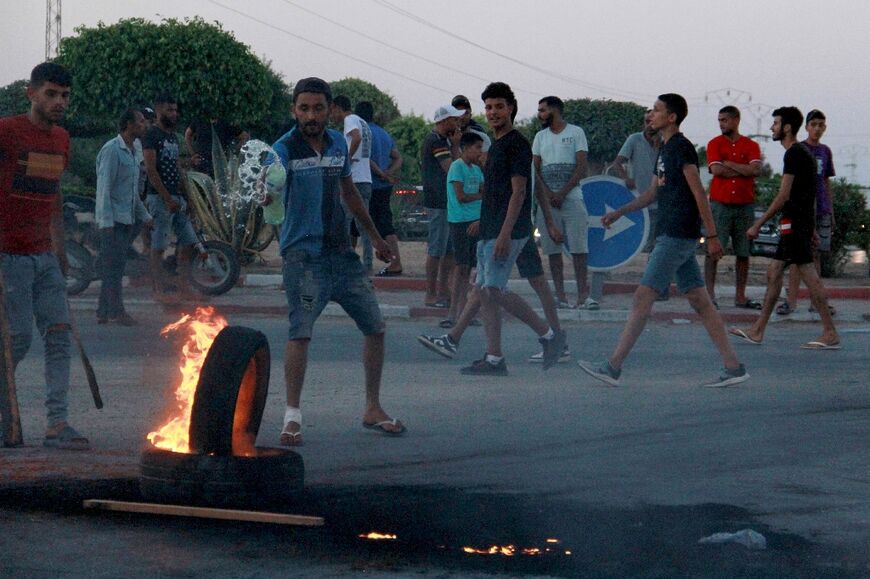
{"x":795,"y":248}
{"x":529,"y":261}
{"x":382,"y":214}
{"x":464,"y":245}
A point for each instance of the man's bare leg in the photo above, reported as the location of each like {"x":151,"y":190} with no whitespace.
{"x":158,"y":276}
{"x":445,"y":268}
{"x":580,"y":274}
{"x":373,"y":362}
{"x":775,"y":272}
{"x":644,"y":298}
{"x":295,"y":364}
{"x":741,"y":269}
{"x":548,"y":301}
{"x":472,"y":307}
{"x":794,"y":284}
{"x":459,"y":291}
{"x":820,"y":302}
{"x":396,"y":262}
{"x":710,"y":267}
{"x":701,"y":303}
{"x":521,"y":310}
{"x":432,"y":267}
{"x":491,"y":320}
{"x":185,"y":264}
{"x":557,"y":272}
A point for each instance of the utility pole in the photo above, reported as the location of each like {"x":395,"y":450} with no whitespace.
{"x":52,"y":28}
{"x":853,"y":152}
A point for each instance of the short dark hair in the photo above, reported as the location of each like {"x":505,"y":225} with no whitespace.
{"x":127,"y":117}
{"x":461,"y":101}
{"x":731,"y":111}
{"x":469,"y":138}
{"x":164,"y":98}
{"x":553,"y":102}
{"x":342,"y":102}
{"x":501,"y":90}
{"x":365,"y":110}
{"x":791,"y":116}
{"x":675,"y":104}
{"x":312,"y":84}
{"x":815,"y":114}
{"x":49,"y":72}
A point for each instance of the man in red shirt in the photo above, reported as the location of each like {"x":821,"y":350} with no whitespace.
{"x":735,"y":162}
{"x":34,"y":151}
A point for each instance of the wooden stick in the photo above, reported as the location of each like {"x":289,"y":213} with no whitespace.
{"x":9,"y":412}
{"x":204,"y":513}
{"x":86,"y":362}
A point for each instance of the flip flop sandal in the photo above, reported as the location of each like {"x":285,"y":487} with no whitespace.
{"x":379,"y":427}
{"x":749,"y":305}
{"x":815,"y":345}
{"x":440,"y":304}
{"x":446,"y":324}
{"x":785,"y":309}
{"x":386,"y":272}
{"x":738,"y":333}
{"x":67,"y":439}
{"x":290,"y":438}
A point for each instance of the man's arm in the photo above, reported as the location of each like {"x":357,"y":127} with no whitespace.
{"x":355,"y":137}
{"x":515,"y":205}
{"x":394,"y":170}
{"x":353,"y":201}
{"x":549,"y":223}
{"x":462,"y":196}
{"x":693,"y":178}
{"x":576,"y":175}
{"x":107,"y":172}
{"x":751,"y":169}
{"x":781,"y":197}
{"x":150,"y":156}
{"x":641,"y":201}
{"x":540,"y":184}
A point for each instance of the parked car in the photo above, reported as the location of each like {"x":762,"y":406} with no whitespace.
{"x":409,"y":216}
{"x":768,"y":238}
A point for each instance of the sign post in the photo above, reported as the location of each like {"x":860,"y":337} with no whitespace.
{"x":616,"y":246}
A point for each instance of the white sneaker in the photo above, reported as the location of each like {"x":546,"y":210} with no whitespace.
{"x":539,"y":357}
{"x":590,"y":304}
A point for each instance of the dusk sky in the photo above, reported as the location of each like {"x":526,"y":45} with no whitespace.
{"x":769,"y":53}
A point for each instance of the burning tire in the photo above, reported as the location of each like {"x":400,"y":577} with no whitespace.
{"x":231,"y":393}
{"x":269,"y":476}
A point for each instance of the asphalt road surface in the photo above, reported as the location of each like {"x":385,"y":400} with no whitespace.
{"x":626,"y":479}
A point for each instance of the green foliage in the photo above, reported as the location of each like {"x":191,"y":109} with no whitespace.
{"x":82,"y":159}
{"x":606,"y":123}
{"x":276,"y":119}
{"x":408,"y":132}
{"x":13,"y":99}
{"x":210,"y":73}
{"x":358,"y":90}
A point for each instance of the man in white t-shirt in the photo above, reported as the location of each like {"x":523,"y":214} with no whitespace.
{"x":359,"y":149}
{"x":559,"y":155}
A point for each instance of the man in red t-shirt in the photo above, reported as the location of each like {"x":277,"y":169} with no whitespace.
{"x":735,"y":162}
{"x":34,"y":151}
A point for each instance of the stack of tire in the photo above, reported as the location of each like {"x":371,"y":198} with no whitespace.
{"x":224,"y":467}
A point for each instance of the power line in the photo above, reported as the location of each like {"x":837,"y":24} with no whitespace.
{"x":558,"y":75}
{"x":329,"y":48}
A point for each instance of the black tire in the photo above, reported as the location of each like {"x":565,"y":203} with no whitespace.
{"x":216,"y":270}
{"x":231,"y":393}
{"x":80,"y":270}
{"x":273,"y":476}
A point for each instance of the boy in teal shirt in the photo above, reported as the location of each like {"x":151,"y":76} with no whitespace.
{"x":464,"y":192}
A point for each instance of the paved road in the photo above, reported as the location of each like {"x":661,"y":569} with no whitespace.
{"x":534,"y":453}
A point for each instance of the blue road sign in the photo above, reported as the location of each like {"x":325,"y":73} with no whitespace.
{"x":612,"y":247}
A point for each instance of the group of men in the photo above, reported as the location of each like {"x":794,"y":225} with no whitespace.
{"x":491,"y":219}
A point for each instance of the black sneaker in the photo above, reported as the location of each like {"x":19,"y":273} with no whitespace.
{"x":553,"y":348}
{"x":539,"y":357}
{"x":439,"y":344}
{"x":729,"y":378}
{"x":483,"y":368}
{"x":602,"y":371}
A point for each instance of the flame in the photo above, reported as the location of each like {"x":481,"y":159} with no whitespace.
{"x":202,"y":327}
{"x":510,"y":550}
{"x":373,"y":536}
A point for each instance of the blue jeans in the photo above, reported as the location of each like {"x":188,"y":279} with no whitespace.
{"x":114,"y":243}
{"x":36,"y":289}
{"x":492,"y":271}
{"x":312,"y":281}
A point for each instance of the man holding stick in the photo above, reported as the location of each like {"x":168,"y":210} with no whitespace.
{"x":34,"y":151}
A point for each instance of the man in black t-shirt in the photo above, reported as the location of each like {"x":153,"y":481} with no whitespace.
{"x":505,"y":227}
{"x":199,"y":139}
{"x":683,"y":206}
{"x":166,"y":201}
{"x":798,"y":237}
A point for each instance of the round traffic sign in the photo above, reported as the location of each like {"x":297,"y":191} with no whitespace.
{"x":612,"y":247}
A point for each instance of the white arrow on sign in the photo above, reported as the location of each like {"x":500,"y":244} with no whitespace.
{"x":615,"y":229}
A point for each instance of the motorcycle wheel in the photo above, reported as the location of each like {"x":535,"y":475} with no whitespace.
{"x":216,"y":270}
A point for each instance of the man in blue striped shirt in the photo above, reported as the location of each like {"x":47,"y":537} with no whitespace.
{"x":319,"y":264}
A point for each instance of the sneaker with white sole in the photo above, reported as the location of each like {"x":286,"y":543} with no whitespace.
{"x":601,"y":371}
{"x":590,"y":304}
{"x":539,"y":357}
{"x":729,"y":378}
{"x":439,"y":344}
{"x":553,"y":348}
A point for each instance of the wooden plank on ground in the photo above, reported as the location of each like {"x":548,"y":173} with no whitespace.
{"x":204,"y":512}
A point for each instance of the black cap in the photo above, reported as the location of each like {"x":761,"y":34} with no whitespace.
{"x":461,"y":101}
{"x":312,"y":84}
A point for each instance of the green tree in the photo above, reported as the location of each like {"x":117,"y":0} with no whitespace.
{"x":606,"y":123}
{"x":13,"y":99}
{"x":358,"y":90}
{"x":408,"y":132}
{"x":210,"y":73}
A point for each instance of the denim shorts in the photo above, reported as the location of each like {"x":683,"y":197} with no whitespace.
{"x":312,"y":281}
{"x":439,"y":233}
{"x":178,"y":222}
{"x":673,"y":257}
{"x":492,"y":272}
